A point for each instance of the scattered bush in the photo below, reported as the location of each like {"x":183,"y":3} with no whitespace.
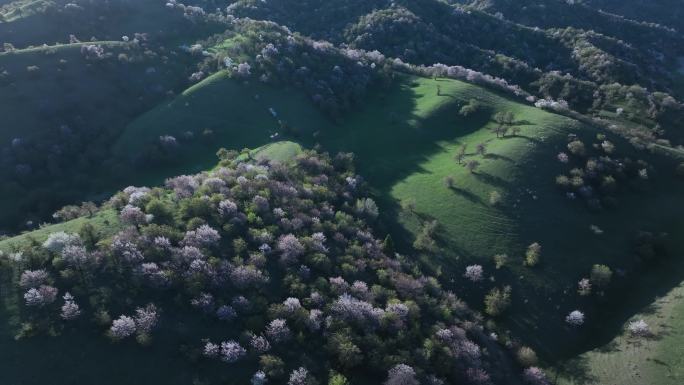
{"x":601,"y":275}
{"x":497,"y":301}
{"x":533,"y":254}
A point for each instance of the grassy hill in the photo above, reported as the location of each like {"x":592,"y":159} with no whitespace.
{"x":404,"y":139}
{"x":408,"y":161}
{"x":218,"y":112}
{"x":106,"y":222}
{"x":76,"y":127}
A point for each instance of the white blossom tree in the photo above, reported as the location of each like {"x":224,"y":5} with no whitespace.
{"x":575,"y":318}
{"x":70,"y":309}
{"x":401,"y":374}
{"x":122,"y":327}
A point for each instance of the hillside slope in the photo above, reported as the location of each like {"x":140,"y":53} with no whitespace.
{"x":632,"y":359}
{"x":62,"y":106}
{"x":229,"y":264}
{"x":404,"y":139}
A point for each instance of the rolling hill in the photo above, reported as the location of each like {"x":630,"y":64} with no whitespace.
{"x":404,"y":139}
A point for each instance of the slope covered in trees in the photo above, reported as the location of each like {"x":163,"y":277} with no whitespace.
{"x":265,"y":266}
{"x":497,"y":209}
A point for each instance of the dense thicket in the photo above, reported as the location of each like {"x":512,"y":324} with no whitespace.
{"x":281,"y":254}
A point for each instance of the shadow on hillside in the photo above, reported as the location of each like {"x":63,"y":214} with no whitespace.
{"x":576,"y":370}
{"x":523,"y":122}
{"x":389,"y":150}
{"x":387,"y":153}
{"x":499,"y":157}
{"x":492,"y":180}
{"x":528,"y":138}
{"x":467,"y":194}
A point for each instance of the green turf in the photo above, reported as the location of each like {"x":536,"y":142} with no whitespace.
{"x":278,"y":152}
{"x":408,"y":160}
{"x":237,"y":114}
{"x":106,"y":222}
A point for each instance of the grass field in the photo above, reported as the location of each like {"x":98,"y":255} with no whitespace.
{"x":409,"y":160}
{"x":237,"y":115}
{"x":106,"y":221}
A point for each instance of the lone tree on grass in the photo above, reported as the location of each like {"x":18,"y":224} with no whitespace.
{"x":500,"y":131}
{"x":495,"y":198}
{"x":497,"y":301}
{"x":481,"y":149}
{"x":472,"y":107}
{"x":500,"y":260}
{"x":409,"y":205}
{"x":461,"y":154}
{"x":533,"y":254}
{"x":504,"y":120}
{"x":425,"y":240}
{"x":472,"y":165}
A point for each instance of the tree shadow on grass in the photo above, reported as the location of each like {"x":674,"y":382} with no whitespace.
{"x":467,"y":195}
{"x":492,"y":180}
{"x":523,"y":122}
{"x":499,"y":157}
{"x":388,"y":152}
{"x":612,"y":346}
{"x":660,"y":363}
{"x":577,"y":370}
{"x":528,"y":138}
